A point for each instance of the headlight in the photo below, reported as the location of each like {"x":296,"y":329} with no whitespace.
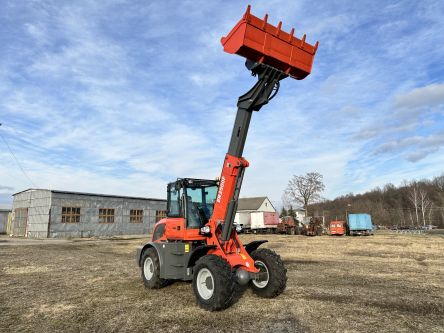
{"x":205,"y":230}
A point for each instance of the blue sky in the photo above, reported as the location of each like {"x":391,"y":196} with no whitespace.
{"x":122,"y":97}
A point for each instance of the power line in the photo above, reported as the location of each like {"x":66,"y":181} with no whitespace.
{"x":16,"y":160}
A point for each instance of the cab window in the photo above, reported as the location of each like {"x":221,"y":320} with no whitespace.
{"x":174,"y":196}
{"x":200,"y":204}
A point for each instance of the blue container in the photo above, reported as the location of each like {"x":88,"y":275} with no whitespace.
{"x":360,"y":224}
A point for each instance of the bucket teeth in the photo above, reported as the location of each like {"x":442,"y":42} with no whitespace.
{"x":260,"y":41}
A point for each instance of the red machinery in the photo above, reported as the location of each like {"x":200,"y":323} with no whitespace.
{"x":288,"y":225}
{"x":337,"y":228}
{"x":197,"y":240}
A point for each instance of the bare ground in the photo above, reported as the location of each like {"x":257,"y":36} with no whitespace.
{"x":385,"y":283}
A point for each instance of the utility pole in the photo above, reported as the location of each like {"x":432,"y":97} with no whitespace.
{"x":346,"y":212}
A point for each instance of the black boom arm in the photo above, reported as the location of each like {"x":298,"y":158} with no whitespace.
{"x":260,"y":94}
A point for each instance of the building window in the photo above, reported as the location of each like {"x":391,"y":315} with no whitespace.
{"x":106,"y":215}
{"x":160,"y":214}
{"x":70,"y":214}
{"x":136,"y":215}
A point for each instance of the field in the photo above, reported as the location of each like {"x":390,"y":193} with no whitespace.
{"x":387,"y":282}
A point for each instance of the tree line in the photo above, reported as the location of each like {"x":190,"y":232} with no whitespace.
{"x":414,"y":203}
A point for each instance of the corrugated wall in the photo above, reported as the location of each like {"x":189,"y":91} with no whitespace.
{"x":89,"y":215}
{"x":35,"y":223}
{"x":3,"y":220}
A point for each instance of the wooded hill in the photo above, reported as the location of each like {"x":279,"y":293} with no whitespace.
{"x":414,"y":203}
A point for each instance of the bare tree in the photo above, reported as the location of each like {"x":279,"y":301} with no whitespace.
{"x":305,"y":189}
{"x":401,"y":215}
{"x":414,"y":199}
{"x":424,"y":204}
{"x":439,"y":182}
{"x":431,"y":213}
{"x":411,"y":217}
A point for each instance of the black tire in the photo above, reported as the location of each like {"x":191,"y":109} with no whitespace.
{"x":225,"y":291}
{"x":153,"y":280}
{"x":277,"y":273}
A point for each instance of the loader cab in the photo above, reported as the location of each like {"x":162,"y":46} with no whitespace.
{"x":193,"y":200}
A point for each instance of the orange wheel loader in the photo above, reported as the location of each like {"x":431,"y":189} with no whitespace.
{"x":197,"y":241}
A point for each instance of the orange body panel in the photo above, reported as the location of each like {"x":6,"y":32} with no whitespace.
{"x":259,"y":41}
{"x":337,"y":228}
{"x":227,"y":185}
{"x":175,"y":229}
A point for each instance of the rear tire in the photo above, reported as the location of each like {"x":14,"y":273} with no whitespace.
{"x":213,"y":283}
{"x":151,"y":270}
{"x":269,"y":261}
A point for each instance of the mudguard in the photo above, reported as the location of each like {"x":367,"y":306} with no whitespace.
{"x":142,"y":248}
{"x":198,"y":252}
{"x":250,"y":247}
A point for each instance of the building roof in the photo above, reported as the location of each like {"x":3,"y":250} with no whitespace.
{"x":90,"y":194}
{"x":250,"y":203}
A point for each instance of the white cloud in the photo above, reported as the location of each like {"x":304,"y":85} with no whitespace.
{"x":421,"y":145}
{"x":428,"y":96}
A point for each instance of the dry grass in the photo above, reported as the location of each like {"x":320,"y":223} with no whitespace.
{"x":382,"y":283}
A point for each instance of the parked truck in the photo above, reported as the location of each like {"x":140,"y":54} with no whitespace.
{"x":257,"y":222}
{"x":359,"y":224}
{"x":337,"y":228}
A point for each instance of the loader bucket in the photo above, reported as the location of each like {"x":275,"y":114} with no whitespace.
{"x":259,"y":41}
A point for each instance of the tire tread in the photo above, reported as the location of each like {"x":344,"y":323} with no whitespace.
{"x":227,"y":292}
{"x":277,"y":271}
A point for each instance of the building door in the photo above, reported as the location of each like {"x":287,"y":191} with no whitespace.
{"x":20,"y":221}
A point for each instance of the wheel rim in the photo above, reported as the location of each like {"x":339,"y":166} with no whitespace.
{"x":205,"y":283}
{"x":148,"y":268}
{"x":263,"y":269}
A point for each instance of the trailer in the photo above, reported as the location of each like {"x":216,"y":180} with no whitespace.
{"x":257,"y":222}
{"x":359,"y":224}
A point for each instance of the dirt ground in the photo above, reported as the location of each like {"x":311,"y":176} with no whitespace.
{"x":381,"y":283}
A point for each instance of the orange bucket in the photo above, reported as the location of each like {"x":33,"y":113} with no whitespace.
{"x":259,"y":41}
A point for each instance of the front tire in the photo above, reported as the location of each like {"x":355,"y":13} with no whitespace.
{"x":270,"y":262}
{"x":151,"y":270}
{"x":213,"y":283}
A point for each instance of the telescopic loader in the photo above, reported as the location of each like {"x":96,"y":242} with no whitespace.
{"x":197,"y":241}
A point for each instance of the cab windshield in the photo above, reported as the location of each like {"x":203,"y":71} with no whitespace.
{"x":200,"y":204}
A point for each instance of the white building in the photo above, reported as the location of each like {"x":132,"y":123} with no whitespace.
{"x":258,"y":204}
{"x":300,"y":214}
{"x":256,"y":213}
{"x":5,"y":210}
